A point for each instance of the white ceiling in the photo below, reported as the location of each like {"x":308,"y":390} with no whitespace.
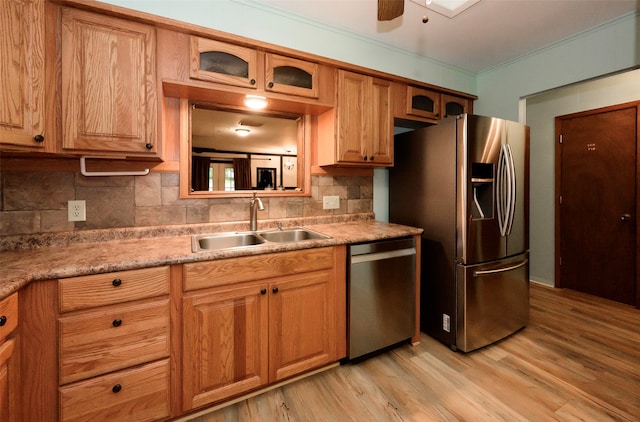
{"x":488,"y":33}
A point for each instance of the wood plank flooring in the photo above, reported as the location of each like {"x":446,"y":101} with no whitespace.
{"x":577,"y":360}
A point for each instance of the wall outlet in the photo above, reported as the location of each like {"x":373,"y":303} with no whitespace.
{"x":330,"y":202}
{"x":446,"y":323}
{"x":77,"y":210}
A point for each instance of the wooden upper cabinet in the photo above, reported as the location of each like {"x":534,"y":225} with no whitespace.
{"x":216,"y":61}
{"x":380,"y":148}
{"x":353,"y":124}
{"x":291,"y":76}
{"x":23,"y":79}
{"x":453,"y":106}
{"x":359,"y":132}
{"x":108,"y":72}
{"x":422,"y":102}
{"x":220,"y":62}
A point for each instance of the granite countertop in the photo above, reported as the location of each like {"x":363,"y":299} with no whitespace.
{"x":23,"y":265}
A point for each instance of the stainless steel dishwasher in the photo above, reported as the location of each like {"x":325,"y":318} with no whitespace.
{"x":382,"y":294}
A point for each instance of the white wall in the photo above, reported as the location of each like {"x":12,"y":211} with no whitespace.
{"x":541,"y":111}
{"x":600,"y":51}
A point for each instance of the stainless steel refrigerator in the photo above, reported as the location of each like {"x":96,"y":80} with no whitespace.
{"x":465,"y":181}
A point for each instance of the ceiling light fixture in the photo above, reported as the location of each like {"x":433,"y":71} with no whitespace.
{"x":448,"y":8}
{"x":255,"y":102}
{"x":242,"y":132}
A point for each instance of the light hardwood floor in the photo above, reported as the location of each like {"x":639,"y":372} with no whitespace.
{"x":577,"y":360}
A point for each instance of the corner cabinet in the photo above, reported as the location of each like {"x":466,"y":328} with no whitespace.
{"x":252,"y":321}
{"x":23,"y":75}
{"x":359,"y":131}
{"x":108,"y":74}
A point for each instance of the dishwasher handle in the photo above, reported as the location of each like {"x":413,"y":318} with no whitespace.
{"x":379,"y":256}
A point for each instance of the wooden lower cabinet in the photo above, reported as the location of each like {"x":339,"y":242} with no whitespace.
{"x":8,"y":360}
{"x":7,"y":392}
{"x":157,"y":343}
{"x":111,"y":338}
{"x":138,"y":394}
{"x":239,"y":337}
{"x":301,"y":324}
{"x":225,"y":335}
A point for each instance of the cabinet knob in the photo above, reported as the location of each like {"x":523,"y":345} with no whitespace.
{"x":263,"y":291}
{"x":274,"y":290}
{"x":116,"y":388}
{"x":148,"y":145}
{"x":117,"y":322}
{"x":365,"y":158}
{"x":116,"y":282}
{"x":38,"y":138}
{"x":3,"y":320}
{"x":270,"y":84}
{"x":371,"y":158}
{"x":253,"y":81}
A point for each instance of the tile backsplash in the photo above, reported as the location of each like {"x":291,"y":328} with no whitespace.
{"x":36,"y":202}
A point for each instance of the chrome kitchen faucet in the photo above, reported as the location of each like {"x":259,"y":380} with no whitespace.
{"x":253,"y":211}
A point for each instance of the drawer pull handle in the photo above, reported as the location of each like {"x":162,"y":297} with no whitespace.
{"x":263,"y":291}
{"x":116,"y":388}
{"x":3,"y":320}
{"x":116,"y":282}
{"x":275,"y":290}
{"x":117,"y":322}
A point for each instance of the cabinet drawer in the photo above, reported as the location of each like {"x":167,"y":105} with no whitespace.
{"x":106,"y":289}
{"x":139,"y":394}
{"x":226,"y":271}
{"x":105,"y":340}
{"x":8,"y":316}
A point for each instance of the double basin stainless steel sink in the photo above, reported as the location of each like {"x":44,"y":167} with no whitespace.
{"x":234,"y":240}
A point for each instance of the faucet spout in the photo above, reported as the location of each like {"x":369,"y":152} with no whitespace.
{"x":254,"y":206}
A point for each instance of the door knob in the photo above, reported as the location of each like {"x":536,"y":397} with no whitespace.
{"x":625,"y":217}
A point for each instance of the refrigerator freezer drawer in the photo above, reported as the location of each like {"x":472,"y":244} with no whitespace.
{"x":493,"y":301}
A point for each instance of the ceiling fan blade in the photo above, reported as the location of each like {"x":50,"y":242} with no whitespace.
{"x":390,"y":9}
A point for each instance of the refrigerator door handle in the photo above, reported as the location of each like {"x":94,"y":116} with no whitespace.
{"x":506,"y":190}
{"x":512,"y":190}
{"x":501,"y":191}
{"x":500,"y":270}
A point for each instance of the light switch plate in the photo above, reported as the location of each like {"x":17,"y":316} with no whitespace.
{"x":330,"y":202}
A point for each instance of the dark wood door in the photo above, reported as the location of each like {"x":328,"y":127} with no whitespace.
{"x":597,"y":202}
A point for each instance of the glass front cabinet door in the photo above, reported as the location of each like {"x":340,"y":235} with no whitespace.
{"x":453,"y":106}
{"x":423,"y":102}
{"x":230,"y":64}
{"x":287,"y":75}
